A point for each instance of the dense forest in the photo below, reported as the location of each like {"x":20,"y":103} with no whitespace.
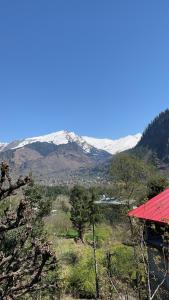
{"x":156,"y":138}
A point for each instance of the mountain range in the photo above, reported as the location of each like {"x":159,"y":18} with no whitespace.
{"x":65,"y":157}
{"x":61,"y":156}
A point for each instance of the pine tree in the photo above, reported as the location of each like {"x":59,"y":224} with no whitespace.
{"x":79,"y":200}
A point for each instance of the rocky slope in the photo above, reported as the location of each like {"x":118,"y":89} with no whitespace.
{"x":61,"y":156}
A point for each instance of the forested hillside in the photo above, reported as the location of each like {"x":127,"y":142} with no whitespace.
{"x":155,"y":139}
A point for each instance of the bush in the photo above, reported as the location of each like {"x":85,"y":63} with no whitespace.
{"x":103,"y":234}
{"x":82,"y":276}
{"x":122,"y":262}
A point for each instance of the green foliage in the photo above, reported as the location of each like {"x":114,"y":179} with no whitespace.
{"x":103,"y":235}
{"x":80,"y":212}
{"x":94,"y":211}
{"x":78,"y":272}
{"x":122,"y":262}
{"x":128,"y":170}
{"x":82,"y":276}
{"x":156,"y":185}
{"x":59,"y":224}
{"x":127,"y":173}
{"x":39,"y":200}
{"x":70,"y":234}
{"x":61,"y":203}
{"x":113,"y":215}
{"x":54,"y":191}
{"x":131,"y":176}
{"x":156,"y":135}
{"x":83,"y":211}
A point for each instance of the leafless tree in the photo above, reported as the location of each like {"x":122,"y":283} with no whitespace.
{"x":25,"y":258}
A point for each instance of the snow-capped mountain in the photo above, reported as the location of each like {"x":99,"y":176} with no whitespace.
{"x":58,"y":138}
{"x":114,"y":146}
{"x":85,"y":142}
{"x":3,"y":146}
{"x":62,"y":157}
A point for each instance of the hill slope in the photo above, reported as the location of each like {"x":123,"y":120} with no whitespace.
{"x":85,"y":142}
{"x":155,"y":139}
{"x":61,"y":156}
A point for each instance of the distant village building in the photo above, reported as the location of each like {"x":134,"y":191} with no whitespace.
{"x":155,"y":214}
{"x":111,"y":200}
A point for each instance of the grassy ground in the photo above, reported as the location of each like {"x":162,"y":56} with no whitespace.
{"x":76,"y":259}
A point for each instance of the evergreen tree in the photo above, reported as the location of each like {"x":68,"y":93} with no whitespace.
{"x":80,"y":212}
{"x":156,"y":137}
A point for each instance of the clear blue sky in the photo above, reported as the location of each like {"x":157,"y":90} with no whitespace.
{"x":96,"y":67}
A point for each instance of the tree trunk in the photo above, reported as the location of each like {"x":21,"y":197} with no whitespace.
{"x":81,"y":234}
{"x":95,"y":262}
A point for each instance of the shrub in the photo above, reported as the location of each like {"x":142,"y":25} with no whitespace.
{"x":82,"y":276}
{"x":103,"y":234}
{"x":122,"y":262}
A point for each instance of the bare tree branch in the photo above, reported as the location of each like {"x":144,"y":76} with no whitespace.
{"x":25,"y":263}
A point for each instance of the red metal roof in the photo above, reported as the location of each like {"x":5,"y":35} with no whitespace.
{"x":155,"y":209}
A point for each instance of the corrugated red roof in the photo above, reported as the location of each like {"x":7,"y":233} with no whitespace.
{"x":155,"y":209}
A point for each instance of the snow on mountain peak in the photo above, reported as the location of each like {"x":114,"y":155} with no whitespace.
{"x":87,"y":143}
{"x":58,"y":138}
{"x":114,"y":146}
{"x":2,"y":146}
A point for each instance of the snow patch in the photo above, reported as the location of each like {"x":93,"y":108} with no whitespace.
{"x":86,"y":143}
{"x":114,"y":146}
{"x":3,"y":146}
{"x":58,"y":138}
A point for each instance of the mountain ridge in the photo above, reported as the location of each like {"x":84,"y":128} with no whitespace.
{"x":62,"y":157}
{"x":64,"y":137}
{"x":154,"y":143}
